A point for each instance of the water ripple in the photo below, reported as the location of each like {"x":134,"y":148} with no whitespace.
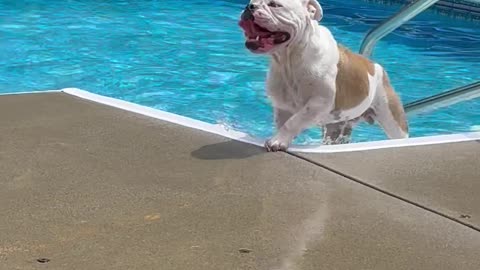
{"x":192,"y":61}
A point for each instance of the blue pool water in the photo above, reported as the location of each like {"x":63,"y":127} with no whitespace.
{"x":187,"y":57}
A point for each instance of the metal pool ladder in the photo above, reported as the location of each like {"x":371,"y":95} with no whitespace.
{"x":444,"y":99}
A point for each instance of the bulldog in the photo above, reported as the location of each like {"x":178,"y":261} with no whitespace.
{"x":312,"y":80}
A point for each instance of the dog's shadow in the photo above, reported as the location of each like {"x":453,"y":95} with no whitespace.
{"x":227,"y":150}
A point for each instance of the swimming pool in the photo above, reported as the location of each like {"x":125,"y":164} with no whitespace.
{"x":188,"y":58}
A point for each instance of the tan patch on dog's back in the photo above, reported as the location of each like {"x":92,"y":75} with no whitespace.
{"x":352,"y":79}
{"x":394,"y":104}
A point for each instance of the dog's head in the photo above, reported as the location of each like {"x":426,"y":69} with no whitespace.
{"x":272,"y":24}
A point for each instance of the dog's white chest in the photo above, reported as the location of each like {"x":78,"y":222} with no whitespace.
{"x":289,"y":96}
{"x":282,"y":90}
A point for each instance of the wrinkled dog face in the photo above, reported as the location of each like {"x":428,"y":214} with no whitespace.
{"x":272,"y":24}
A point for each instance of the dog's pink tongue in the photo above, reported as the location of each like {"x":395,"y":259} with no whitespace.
{"x":248,"y":27}
{"x":256,"y":37}
{"x":267,"y":43}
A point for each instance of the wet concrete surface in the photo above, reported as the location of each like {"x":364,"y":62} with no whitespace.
{"x":443,"y":177}
{"x":85,"y":186}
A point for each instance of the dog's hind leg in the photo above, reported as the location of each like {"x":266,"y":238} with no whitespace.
{"x":389,"y":111}
{"x":337,"y":133}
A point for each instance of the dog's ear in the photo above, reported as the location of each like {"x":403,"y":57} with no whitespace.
{"x":314,"y":9}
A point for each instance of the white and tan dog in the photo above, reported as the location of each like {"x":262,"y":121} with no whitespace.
{"x":314,"y":81}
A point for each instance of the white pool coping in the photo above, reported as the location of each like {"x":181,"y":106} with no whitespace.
{"x":242,"y":137}
{"x":31,"y":92}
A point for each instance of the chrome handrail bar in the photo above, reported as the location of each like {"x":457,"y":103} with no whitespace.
{"x":434,"y":102}
{"x":444,"y":99}
{"x":404,"y":15}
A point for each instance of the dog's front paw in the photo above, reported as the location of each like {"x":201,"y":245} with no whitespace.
{"x":275,"y":144}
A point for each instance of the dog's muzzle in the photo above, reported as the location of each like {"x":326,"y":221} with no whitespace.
{"x":247,"y":14}
{"x":259,"y":39}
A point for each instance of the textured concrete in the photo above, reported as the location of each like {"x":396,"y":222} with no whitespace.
{"x":444,"y":177}
{"x":92,"y":187}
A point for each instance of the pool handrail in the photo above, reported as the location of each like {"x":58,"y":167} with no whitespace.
{"x":404,"y":15}
{"x":434,"y":102}
{"x":444,"y":99}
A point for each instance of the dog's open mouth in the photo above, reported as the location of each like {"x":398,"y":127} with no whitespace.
{"x":260,"y":39}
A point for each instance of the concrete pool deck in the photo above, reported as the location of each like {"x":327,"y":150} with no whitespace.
{"x":88,"y":186}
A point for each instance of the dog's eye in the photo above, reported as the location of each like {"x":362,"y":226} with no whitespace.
{"x":273,"y":4}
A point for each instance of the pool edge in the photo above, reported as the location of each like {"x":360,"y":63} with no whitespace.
{"x":245,"y":138}
{"x":30,"y":92}
{"x":242,"y":137}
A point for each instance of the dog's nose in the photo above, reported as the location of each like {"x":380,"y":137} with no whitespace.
{"x":251,"y":7}
{"x":247,"y":14}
